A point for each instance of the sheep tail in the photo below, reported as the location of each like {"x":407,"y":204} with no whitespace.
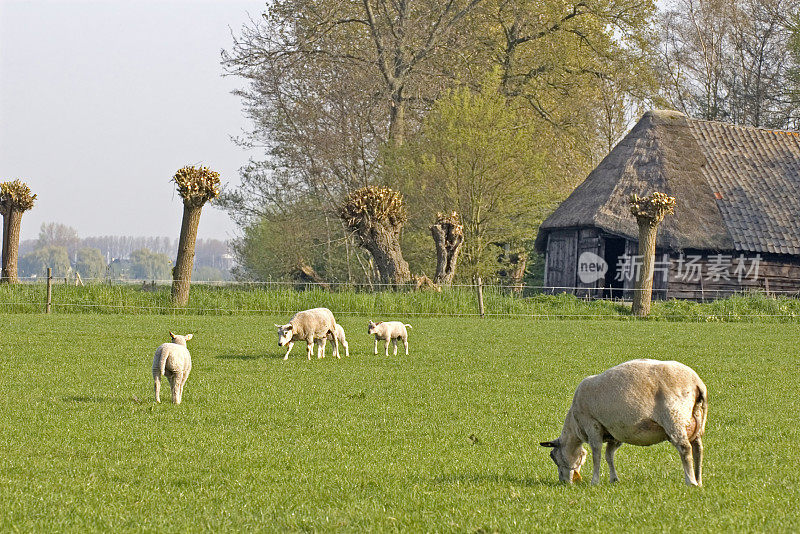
{"x":700,"y":409}
{"x":407,"y":325}
{"x":163,"y":362}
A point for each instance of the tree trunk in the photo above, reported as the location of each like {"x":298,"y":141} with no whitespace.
{"x":643,"y":294}
{"x":517,"y":273}
{"x":384,"y":246}
{"x":182,"y":272}
{"x":12,"y":221}
{"x":448,"y":239}
{"x":397,"y":119}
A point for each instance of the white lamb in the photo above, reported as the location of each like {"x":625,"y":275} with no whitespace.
{"x":338,"y":337}
{"x":309,"y":325}
{"x":641,"y":402}
{"x":389,"y":331}
{"x":173,"y":361}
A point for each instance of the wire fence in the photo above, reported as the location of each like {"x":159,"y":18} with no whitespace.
{"x":283,"y":298}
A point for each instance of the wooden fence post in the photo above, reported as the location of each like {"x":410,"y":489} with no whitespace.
{"x":480,"y":295}
{"x":49,"y":290}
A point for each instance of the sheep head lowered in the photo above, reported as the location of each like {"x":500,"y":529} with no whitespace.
{"x":569,"y":463}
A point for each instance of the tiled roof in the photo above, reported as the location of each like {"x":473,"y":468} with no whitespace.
{"x":755,"y":175}
{"x":737,"y":188}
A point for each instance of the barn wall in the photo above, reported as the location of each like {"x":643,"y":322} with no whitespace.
{"x":561,"y":260}
{"x":728,"y":272}
{"x":692,"y":274}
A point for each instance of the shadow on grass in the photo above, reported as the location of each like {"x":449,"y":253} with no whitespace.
{"x":84,"y":398}
{"x":465,"y":478}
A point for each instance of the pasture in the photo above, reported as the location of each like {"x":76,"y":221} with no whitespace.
{"x":445,"y":440}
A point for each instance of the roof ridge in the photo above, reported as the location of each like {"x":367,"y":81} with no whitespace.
{"x":794,"y":133}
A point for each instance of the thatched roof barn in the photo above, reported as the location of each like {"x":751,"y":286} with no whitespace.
{"x":737,"y":211}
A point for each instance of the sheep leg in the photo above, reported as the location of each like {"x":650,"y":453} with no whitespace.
{"x":290,"y":345}
{"x":677,"y":436}
{"x":685,"y":450}
{"x":346,"y":348}
{"x":697,"y":456}
{"x":594,"y":436}
{"x":173,"y":386}
{"x":405,"y":344}
{"x":387,"y":345}
{"x":184,"y":378}
{"x":611,"y":448}
{"x":321,"y":347}
{"x":376,"y":346}
{"x":336,"y":348}
{"x":597,"y":456}
{"x":157,"y":384}
{"x":310,"y":347}
{"x":394,"y":343}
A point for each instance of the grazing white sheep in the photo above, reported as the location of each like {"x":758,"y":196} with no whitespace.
{"x":309,"y":325}
{"x":338,"y":337}
{"x":389,"y":331}
{"x":641,"y":402}
{"x":173,"y":361}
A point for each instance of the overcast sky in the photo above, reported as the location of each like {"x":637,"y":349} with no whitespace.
{"x":102,"y":101}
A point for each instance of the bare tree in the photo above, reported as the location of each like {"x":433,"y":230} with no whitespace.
{"x":729,"y":60}
{"x":329,"y":83}
{"x":196,"y":186}
{"x":15,"y":199}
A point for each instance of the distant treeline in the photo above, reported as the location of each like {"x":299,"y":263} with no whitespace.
{"x":127,"y":257}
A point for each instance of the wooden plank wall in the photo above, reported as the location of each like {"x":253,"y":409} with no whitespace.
{"x":718,"y":275}
{"x":779,"y":275}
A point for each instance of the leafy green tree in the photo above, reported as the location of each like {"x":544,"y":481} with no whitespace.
{"x":474,"y":155}
{"x":282,"y":244}
{"x":36,"y":263}
{"x":148,"y":265}
{"x":90,"y":263}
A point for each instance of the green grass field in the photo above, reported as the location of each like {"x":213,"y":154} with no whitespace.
{"x":371,"y":443}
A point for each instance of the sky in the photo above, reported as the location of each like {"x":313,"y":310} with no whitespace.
{"x":102,"y":101}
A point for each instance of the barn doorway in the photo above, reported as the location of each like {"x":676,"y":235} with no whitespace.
{"x":614,"y":248}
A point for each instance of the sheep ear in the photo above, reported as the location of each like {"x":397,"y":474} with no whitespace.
{"x":171,"y":334}
{"x":549,"y":444}
{"x":277,"y":325}
{"x":189,"y":336}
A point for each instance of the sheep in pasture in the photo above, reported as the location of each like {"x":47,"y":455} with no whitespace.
{"x":338,"y":337}
{"x":641,"y":402}
{"x":173,"y":361}
{"x":389,"y":331}
{"x":309,"y":325}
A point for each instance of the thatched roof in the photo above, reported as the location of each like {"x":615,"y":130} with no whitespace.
{"x":737,"y":188}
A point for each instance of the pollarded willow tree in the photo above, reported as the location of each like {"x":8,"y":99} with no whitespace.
{"x":649,"y":212}
{"x":376,"y":216}
{"x":15,"y":199}
{"x":196,"y":186}
{"x":448,"y":236}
